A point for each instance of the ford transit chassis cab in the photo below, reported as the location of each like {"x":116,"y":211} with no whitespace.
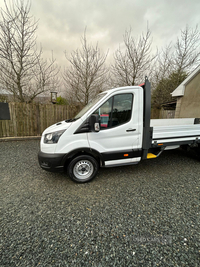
{"x":113,"y":130}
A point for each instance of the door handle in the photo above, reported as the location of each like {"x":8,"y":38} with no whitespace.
{"x":131,"y":130}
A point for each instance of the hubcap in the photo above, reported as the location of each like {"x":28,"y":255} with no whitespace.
{"x":83,"y":169}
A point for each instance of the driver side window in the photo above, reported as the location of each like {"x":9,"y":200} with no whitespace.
{"x":115,"y":111}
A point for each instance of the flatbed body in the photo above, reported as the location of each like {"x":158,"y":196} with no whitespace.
{"x":175,"y":131}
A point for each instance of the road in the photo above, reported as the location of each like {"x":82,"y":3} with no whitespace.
{"x":141,"y":215}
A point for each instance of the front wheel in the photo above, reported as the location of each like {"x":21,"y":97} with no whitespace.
{"x":83,"y":168}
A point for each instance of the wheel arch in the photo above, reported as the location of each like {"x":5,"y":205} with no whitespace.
{"x":83,"y":151}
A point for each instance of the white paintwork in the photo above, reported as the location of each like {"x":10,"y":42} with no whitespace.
{"x":109,"y":140}
{"x":165,"y":128}
{"x":181,"y":131}
{"x":51,"y":148}
{"x":117,"y":138}
{"x":169,"y":122}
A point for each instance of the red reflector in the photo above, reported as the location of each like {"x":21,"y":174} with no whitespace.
{"x":142,"y":84}
{"x":125,"y":155}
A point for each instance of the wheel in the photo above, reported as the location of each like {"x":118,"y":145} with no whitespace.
{"x":83,"y":168}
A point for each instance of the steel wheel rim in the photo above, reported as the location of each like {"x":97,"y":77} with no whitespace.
{"x":83,"y":169}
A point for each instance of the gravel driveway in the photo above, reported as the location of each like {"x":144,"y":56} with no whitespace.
{"x":142,"y":215}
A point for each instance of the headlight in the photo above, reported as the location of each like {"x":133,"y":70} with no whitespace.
{"x":52,"y":138}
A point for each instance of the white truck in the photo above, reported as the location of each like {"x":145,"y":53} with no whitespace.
{"x":114,"y":129}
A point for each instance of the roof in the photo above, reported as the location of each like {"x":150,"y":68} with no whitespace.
{"x":169,"y":105}
{"x":180,"y":90}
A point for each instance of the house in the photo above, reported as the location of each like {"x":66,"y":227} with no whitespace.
{"x":188,"y":96}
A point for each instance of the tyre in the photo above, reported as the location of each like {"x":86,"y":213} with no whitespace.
{"x":83,"y":168}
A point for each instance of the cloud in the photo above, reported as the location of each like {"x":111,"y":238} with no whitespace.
{"x":62,"y":22}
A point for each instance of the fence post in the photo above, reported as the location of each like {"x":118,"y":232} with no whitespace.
{"x":38,"y":120}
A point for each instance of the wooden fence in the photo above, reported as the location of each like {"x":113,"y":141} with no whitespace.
{"x":33,"y":119}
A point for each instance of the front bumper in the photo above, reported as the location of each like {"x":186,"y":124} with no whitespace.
{"x":51,"y":162}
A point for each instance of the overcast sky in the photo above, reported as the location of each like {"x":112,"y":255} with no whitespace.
{"x":62,"y":22}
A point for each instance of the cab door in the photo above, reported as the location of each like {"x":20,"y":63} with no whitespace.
{"x":118,"y":138}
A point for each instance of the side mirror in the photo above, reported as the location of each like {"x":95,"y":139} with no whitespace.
{"x":94,"y":123}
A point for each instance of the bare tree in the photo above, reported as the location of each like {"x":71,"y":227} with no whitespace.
{"x":87,"y":74}
{"x":133,"y":62}
{"x":174,"y":64}
{"x":164,"y":63}
{"x":187,"y":52}
{"x":45,"y":77}
{"x":23,"y":72}
{"x":163,"y":66}
{"x":183,"y":57}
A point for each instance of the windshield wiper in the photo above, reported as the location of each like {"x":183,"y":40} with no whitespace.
{"x":71,"y":120}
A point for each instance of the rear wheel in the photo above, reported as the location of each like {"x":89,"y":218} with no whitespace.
{"x":83,"y":168}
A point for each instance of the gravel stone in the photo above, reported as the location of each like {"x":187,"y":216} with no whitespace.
{"x":141,"y":215}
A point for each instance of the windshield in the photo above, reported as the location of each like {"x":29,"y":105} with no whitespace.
{"x":89,"y":105}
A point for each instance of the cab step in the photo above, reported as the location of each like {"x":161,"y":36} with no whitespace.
{"x":151,"y":156}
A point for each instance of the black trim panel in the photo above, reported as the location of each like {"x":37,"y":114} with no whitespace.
{"x":197,"y":121}
{"x":80,"y":151}
{"x":51,"y":162}
{"x":147,"y":130}
{"x":84,"y":127}
{"x":120,"y":155}
{"x":56,"y":162}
